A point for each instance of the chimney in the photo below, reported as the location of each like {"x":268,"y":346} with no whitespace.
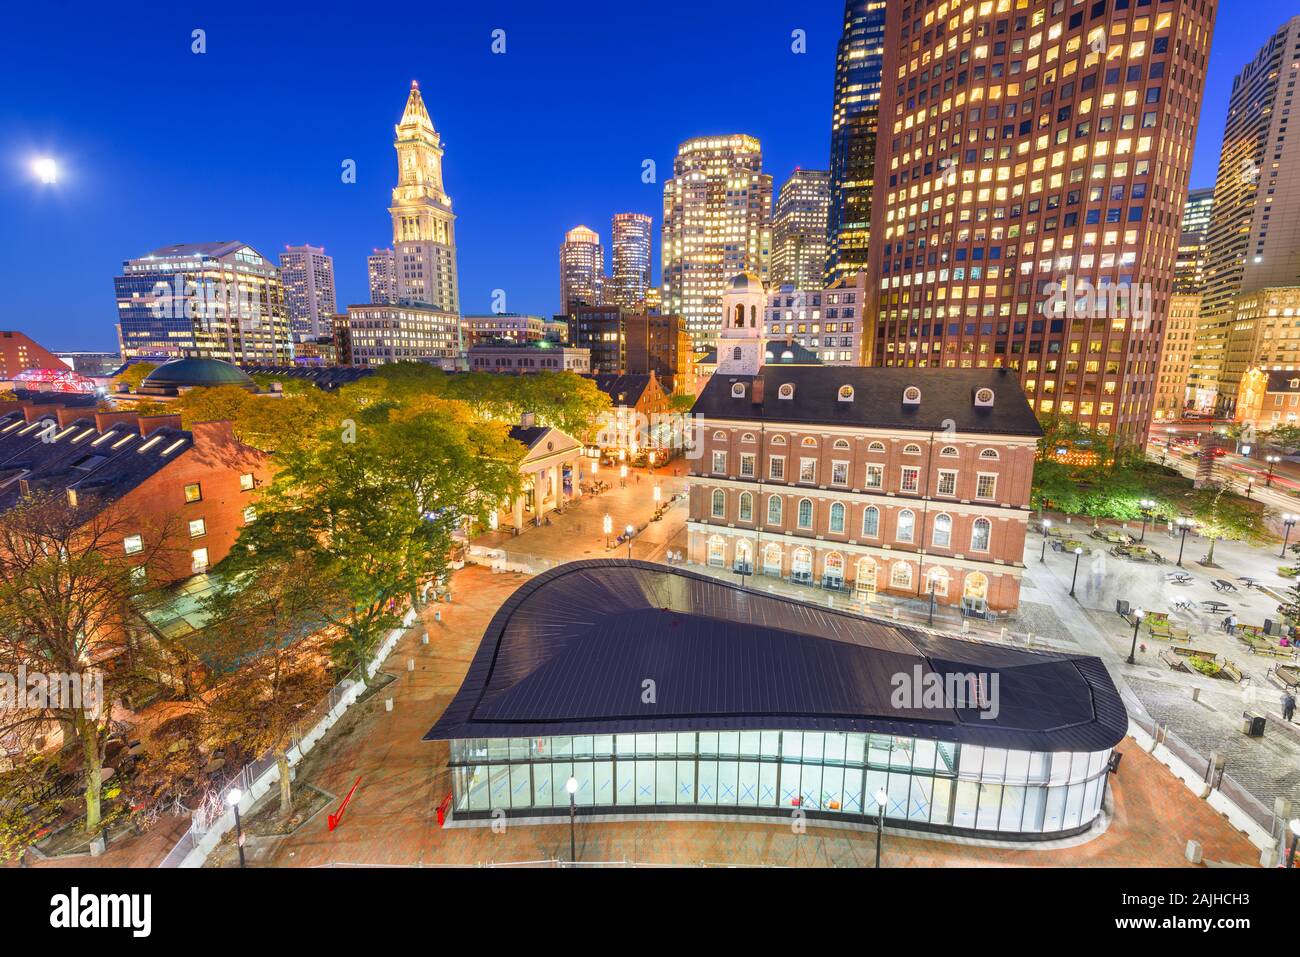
{"x":527,"y":420}
{"x":106,"y":420}
{"x":67,"y":416}
{"x":756,"y":390}
{"x":150,"y":423}
{"x":34,"y":413}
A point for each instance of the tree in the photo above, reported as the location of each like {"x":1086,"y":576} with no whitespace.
{"x":222,"y":403}
{"x":1223,"y":515}
{"x":1285,"y":438}
{"x":134,"y":374}
{"x":373,"y":507}
{"x":29,"y":805}
{"x":268,"y":653}
{"x":681,"y":403}
{"x":65,"y":591}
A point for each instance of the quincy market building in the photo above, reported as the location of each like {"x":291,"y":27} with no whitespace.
{"x":662,"y":691}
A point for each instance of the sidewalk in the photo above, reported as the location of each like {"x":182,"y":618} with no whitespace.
{"x":393,"y":817}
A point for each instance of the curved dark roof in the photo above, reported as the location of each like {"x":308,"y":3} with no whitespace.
{"x":197,"y":371}
{"x":569,"y":651}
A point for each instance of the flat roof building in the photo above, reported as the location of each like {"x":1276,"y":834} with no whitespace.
{"x":658,"y":690}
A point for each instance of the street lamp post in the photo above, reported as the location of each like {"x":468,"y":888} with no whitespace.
{"x":1185,"y":524}
{"x":1169,"y":440}
{"x":1137,"y":621}
{"x":1146,"y":505}
{"x":1047,"y":524}
{"x":629,"y":531}
{"x":1077,"y":553}
{"x":233,"y":797}
{"x":571,"y":786}
{"x":1250,"y":486}
{"x":881,"y":798}
{"x":1272,"y":460}
{"x":1295,"y":836}
{"x":1288,"y":523}
{"x":622,"y":476}
{"x":657,"y":494}
{"x":931,"y":620}
{"x":608,"y":525}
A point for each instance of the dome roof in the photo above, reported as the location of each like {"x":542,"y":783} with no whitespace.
{"x":195,"y":371}
{"x":746,"y":281}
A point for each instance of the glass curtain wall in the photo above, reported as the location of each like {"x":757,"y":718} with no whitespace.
{"x":932,"y":784}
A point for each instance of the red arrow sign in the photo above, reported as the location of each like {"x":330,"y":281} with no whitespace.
{"x":335,"y":818}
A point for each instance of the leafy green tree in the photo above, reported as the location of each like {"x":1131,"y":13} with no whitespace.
{"x":134,"y":374}
{"x":1285,"y":438}
{"x":1222,"y":515}
{"x":27,"y":807}
{"x":372,"y":505}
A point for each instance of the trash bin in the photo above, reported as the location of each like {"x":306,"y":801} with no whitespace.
{"x":1252,"y":725}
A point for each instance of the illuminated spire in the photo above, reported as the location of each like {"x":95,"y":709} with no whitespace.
{"x":415,"y":113}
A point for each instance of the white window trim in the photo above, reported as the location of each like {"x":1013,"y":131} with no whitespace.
{"x":902,"y":478}
{"x":938,"y":485}
{"x":994,"y":494}
{"x":879,"y":472}
{"x":836,"y":463}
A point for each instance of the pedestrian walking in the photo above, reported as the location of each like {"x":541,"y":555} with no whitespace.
{"x":1288,"y":705}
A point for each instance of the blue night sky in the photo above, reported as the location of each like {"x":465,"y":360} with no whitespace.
{"x":159,"y":145}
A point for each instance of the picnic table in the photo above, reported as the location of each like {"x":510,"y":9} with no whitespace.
{"x":1180,"y":578}
{"x":1215,"y":606}
{"x":1184,"y":604}
{"x":1222,"y":584}
{"x":1113,"y":538}
{"x":1250,"y":582}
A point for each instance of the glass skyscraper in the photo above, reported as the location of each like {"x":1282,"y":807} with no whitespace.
{"x":854,"y":119}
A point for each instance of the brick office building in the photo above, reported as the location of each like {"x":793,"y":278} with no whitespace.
{"x":198,"y":483}
{"x":1027,"y":154}
{"x":865,"y":480}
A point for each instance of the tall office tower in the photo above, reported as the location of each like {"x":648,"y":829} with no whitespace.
{"x":1173,"y":377}
{"x":219,"y":300}
{"x":799,"y":230}
{"x":308,"y":278}
{"x":854,"y":118}
{"x":1254,"y":237}
{"x":1189,"y":267}
{"x":717,"y":211}
{"x":1031,"y":175}
{"x":582,"y":269}
{"x":382,"y":268}
{"x":424,"y":238}
{"x":631,"y":255}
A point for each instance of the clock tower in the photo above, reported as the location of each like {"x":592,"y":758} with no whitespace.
{"x":741,"y":339}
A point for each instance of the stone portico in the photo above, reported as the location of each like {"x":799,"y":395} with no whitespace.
{"x":552,"y":471}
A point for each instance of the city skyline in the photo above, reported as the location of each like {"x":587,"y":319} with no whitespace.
{"x":119,"y":197}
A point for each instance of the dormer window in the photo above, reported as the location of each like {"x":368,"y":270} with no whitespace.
{"x":786,"y":391}
{"x":984,"y":397}
{"x":911,"y":395}
{"x":738,"y":390}
{"x":846,"y":393}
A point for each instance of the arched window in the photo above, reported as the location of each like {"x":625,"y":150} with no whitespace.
{"x":744,"y":553}
{"x":719,"y":436}
{"x":774,"y":510}
{"x":876,"y":447}
{"x":977,"y":586}
{"x":864,"y":579}
{"x":808,"y":442}
{"x":747,"y":437}
{"x":778,"y":440}
{"x":837,"y":517}
{"x":833,"y":569}
{"x":911,"y":449}
{"x":740,"y":317}
{"x":906,"y":525}
{"x":735,"y":354}
{"x":948,"y":451}
{"x":871,"y":522}
{"x":753,"y":316}
{"x":719,"y":503}
{"x":746,"y":507}
{"x":772,"y":559}
{"x":937,"y":579}
{"x":841,"y":444}
{"x":801,"y":562}
{"x":979,"y":535}
{"x":988,"y":453}
{"x":941,"y":537}
{"x":805,"y":513}
{"x":900,"y":575}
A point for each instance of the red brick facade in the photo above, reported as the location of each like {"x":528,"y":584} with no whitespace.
{"x":838,"y":505}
